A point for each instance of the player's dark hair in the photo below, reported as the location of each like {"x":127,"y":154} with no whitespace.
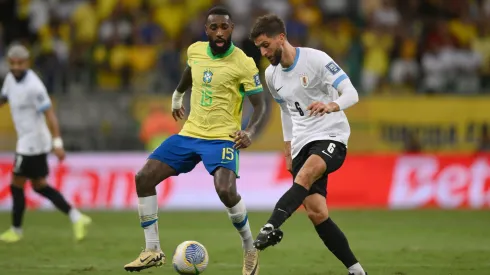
{"x":270,"y":25}
{"x":218,"y":10}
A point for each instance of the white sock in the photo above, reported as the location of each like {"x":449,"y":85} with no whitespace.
{"x":148,"y":211}
{"x":356,"y":269}
{"x":74,"y":215}
{"x":17,"y":230}
{"x":239,"y":218}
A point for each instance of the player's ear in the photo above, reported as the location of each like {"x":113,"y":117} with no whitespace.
{"x":206,"y":29}
{"x":282,"y":37}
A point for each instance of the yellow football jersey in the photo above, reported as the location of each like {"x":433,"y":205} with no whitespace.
{"x":219,"y":86}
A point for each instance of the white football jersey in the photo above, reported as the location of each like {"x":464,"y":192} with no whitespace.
{"x":28,"y":99}
{"x":313,"y":76}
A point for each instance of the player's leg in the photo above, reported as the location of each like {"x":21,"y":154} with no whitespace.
{"x":270,"y":234}
{"x":14,"y":233}
{"x":37,"y":171}
{"x":225,"y":184}
{"x":331,"y":235}
{"x":221,"y":160}
{"x":308,"y":167}
{"x":147,"y":179}
{"x":80,"y":221}
{"x":171,"y":158}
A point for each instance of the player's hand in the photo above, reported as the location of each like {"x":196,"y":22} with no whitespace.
{"x":319,"y":109}
{"x":59,"y":153}
{"x":178,"y":113}
{"x":242,"y":139}
{"x":289,"y":164}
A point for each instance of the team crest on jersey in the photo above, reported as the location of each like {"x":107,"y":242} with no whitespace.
{"x":208,"y":76}
{"x":304,"y":80}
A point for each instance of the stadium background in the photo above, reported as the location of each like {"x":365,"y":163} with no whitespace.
{"x":419,"y":133}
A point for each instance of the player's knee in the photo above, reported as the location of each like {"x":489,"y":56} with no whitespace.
{"x":317,"y":216}
{"x":224,"y":192}
{"x":38,"y":184}
{"x":308,"y":175}
{"x":143,"y":181}
{"x":18,"y":182}
{"x":227,"y":195}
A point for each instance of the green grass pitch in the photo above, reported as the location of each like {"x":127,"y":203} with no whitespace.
{"x":422,"y":242}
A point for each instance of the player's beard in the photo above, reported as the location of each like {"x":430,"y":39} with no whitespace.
{"x":220,"y":50}
{"x":276,"y":57}
{"x":18,"y":74}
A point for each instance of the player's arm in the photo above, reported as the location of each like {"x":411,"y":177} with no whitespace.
{"x":250,"y":81}
{"x":333,"y":75}
{"x":43,"y":105}
{"x":258,"y":116}
{"x":286,"y":121}
{"x":287,"y":133}
{"x":185,"y":83}
{"x":53,"y":124}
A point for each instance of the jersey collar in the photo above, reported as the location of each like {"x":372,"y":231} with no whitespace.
{"x":221,"y":55}
{"x":290,"y":68}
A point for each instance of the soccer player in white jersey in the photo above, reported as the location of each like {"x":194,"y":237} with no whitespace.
{"x":312,"y":91}
{"x":30,"y":106}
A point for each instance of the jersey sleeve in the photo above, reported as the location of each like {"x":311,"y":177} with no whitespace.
{"x":333,"y":75}
{"x":191,"y":53}
{"x":331,"y":72}
{"x":41,"y":97}
{"x":250,"y":79}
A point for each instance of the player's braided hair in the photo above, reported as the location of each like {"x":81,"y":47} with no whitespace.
{"x":270,"y":25}
{"x":218,"y":10}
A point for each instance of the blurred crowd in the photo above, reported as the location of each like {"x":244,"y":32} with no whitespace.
{"x":139,"y":46}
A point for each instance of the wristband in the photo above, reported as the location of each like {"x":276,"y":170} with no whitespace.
{"x":177,"y":99}
{"x":57,"y":143}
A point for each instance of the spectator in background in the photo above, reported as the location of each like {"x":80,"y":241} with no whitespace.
{"x":172,"y":16}
{"x":297,"y":27}
{"x":481,"y":45}
{"x":84,"y":23}
{"x":53,"y":59}
{"x":405,"y":68}
{"x":386,"y":15}
{"x":438,"y":60}
{"x":333,"y":8}
{"x":118,"y":25}
{"x":377,"y":43}
{"x":336,"y":40}
{"x":102,"y":40}
{"x":170,"y":67}
{"x":467,"y":64}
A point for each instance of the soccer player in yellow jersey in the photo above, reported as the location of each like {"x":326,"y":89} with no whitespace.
{"x":221,"y":76}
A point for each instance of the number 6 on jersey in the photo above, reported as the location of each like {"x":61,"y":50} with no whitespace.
{"x":298,"y":107}
{"x":331,"y":148}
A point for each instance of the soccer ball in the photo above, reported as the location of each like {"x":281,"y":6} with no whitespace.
{"x":190,"y":257}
